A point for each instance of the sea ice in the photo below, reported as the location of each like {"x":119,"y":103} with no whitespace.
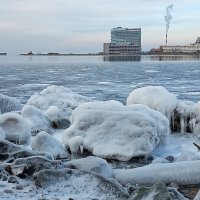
{"x":111,"y":130}
{"x":16,"y":128}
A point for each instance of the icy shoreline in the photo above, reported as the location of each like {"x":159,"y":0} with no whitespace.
{"x":56,"y":125}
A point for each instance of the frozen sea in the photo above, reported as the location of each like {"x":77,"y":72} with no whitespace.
{"x":105,"y":78}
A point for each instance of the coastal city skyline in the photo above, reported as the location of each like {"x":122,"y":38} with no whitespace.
{"x":66,"y":26}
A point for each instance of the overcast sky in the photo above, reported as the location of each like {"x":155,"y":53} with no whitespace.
{"x":82,"y":26}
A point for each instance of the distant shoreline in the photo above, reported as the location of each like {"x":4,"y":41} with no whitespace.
{"x":117,"y":55}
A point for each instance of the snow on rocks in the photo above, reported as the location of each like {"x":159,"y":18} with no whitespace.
{"x":37,"y":119}
{"x":182,"y":173}
{"x":8,"y":104}
{"x":2,"y":134}
{"x":111,"y":130}
{"x":47,"y":143}
{"x":92,"y":163}
{"x":16,"y":128}
{"x":79,"y":184}
{"x":188,"y":156}
{"x":61,"y":98}
{"x":156,"y":97}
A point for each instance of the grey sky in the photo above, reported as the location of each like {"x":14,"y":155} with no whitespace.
{"x":83,"y":25}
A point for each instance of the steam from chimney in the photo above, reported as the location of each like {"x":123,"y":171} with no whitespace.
{"x":168,"y":17}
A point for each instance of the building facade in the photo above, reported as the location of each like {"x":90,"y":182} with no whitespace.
{"x":124,"y":41}
{"x":193,"y":48}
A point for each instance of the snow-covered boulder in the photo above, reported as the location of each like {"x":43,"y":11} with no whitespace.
{"x":188,"y":156}
{"x":37,"y":119}
{"x":93,"y":164}
{"x":182,"y":173}
{"x":156,"y":97}
{"x":47,"y":143}
{"x":112,"y":130}
{"x":8,"y":104}
{"x":61,"y":98}
{"x":16,"y":128}
{"x":2,"y":134}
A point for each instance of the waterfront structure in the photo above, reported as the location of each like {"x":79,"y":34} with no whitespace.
{"x":191,"y":48}
{"x":124,"y":41}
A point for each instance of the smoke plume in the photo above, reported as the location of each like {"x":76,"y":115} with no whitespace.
{"x":168,"y":17}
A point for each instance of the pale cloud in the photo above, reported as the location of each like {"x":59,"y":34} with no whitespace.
{"x":83,"y":25}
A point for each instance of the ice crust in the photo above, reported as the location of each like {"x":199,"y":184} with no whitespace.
{"x":8,"y":104}
{"x":16,"y":128}
{"x":47,"y":143}
{"x":156,"y":97}
{"x":182,"y":173}
{"x":111,"y":130}
{"x":62,"y":98}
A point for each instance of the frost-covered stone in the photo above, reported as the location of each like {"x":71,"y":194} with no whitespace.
{"x":2,"y":134}
{"x":188,"y":156}
{"x":8,"y":104}
{"x":37,"y":119}
{"x":16,"y":128}
{"x":111,"y":130}
{"x":156,"y":97}
{"x":93,"y":164}
{"x":61,"y":98}
{"x":79,"y":183}
{"x":47,"y":143}
{"x":156,"y":192}
{"x":182,"y":173}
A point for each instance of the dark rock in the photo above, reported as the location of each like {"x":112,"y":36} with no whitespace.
{"x":4,"y":177}
{"x":170,"y":158}
{"x":35,"y":164}
{"x":19,"y":187}
{"x":8,"y":147}
{"x":61,"y":123}
{"x":8,"y":191}
{"x":156,"y":192}
{"x":104,"y":188}
{"x":12,"y":179}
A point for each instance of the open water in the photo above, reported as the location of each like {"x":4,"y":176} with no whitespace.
{"x":102,"y":78}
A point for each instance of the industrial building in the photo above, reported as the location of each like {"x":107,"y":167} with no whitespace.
{"x":192,"y":48}
{"x":124,"y":41}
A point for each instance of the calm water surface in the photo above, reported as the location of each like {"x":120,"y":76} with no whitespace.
{"x":99,"y":77}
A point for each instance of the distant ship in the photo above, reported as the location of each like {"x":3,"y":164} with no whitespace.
{"x":3,"y":54}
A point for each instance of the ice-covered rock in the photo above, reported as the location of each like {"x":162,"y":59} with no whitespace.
{"x":93,"y":164}
{"x":47,"y":143}
{"x":79,"y":184}
{"x":16,"y":128}
{"x":2,"y":134}
{"x":111,"y":130}
{"x":8,"y":104}
{"x":160,"y":160}
{"x":61,"y":98}
{"x":74,"y":144}
{"x":156,"y":97}
{"x":182,"y":173}
{"x":188,"y":156}
{"x":37,"y":119}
